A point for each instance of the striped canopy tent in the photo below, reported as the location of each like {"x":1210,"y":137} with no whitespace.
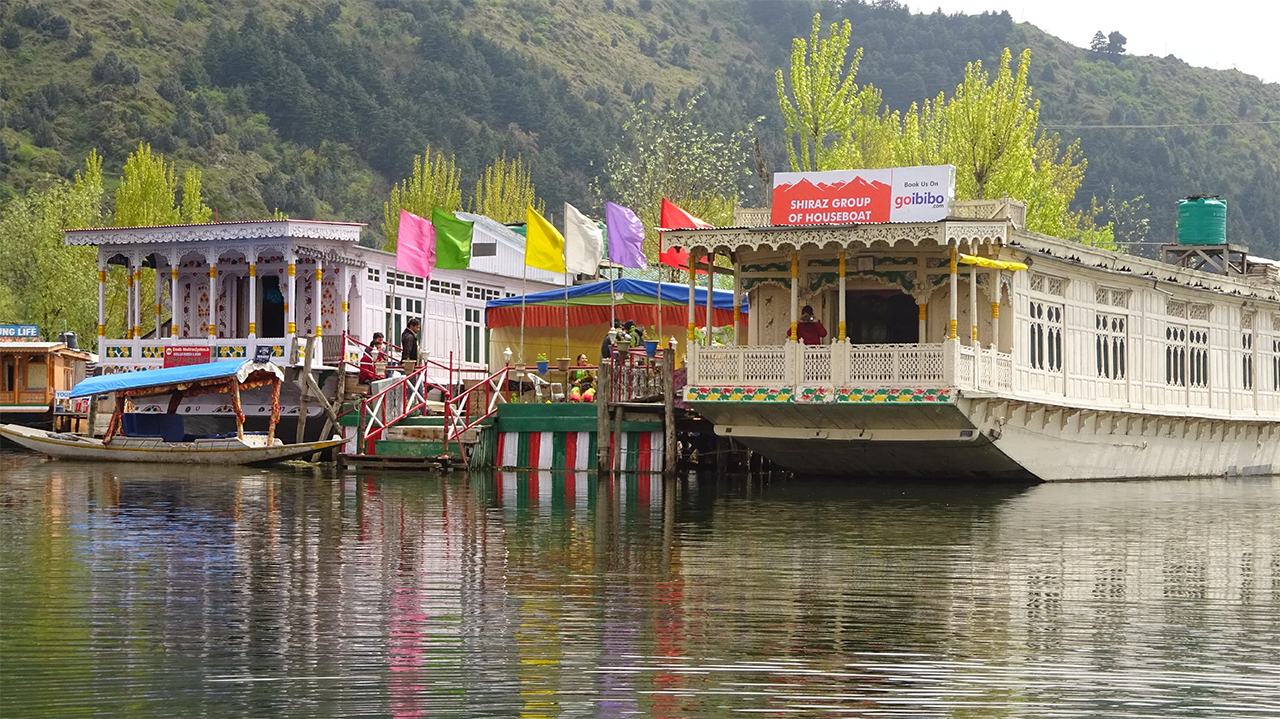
{"x":590,"y":310}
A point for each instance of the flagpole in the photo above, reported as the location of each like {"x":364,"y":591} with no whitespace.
{"x":524,"y":290}
{"x":566,"y":317}
{"x":660,"y":341}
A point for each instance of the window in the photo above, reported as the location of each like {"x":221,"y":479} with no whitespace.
{"x":446,"y":288}
{"x":400,"y":279}
{"x":399,"y":311}
{"x":37,"y":374}
{"x":1246,"y":369}
{"x":373,"y":274}
{"x":1275,"y":365}
{"x":480,"y":292}
{"x":1109,"y":345}
{"x":1199,"y":364}
{"x":1046,"y":336}
{"x":1175,"y":356}
{"x":471,"y":329}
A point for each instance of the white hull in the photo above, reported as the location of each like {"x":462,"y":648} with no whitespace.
{"x":210,"y":452}
{"x":1000,"y":438}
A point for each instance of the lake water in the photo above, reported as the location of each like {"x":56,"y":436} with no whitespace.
{"x":132,"y":591}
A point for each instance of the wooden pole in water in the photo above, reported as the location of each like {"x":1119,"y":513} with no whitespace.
{"x":617,"y":462}
{"x":669,"y":411}
{"x":305,"y":391}
{"x":603,"y":380}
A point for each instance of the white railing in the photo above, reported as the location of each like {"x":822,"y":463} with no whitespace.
{"x":849,"y":365}
{"x":150,"y":353}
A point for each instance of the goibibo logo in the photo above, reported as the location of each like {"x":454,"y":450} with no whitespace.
{"x":918,"y":198}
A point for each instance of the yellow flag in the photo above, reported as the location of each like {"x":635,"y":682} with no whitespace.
{"x":543,"y":244}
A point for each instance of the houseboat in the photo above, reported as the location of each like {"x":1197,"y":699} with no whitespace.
{"x":225,"y":290}
{"x":961,"y":344}
{"x":35,"y":378}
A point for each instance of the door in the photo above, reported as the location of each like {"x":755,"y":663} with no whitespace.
{"x":881,"y":317}
{"x":8,"y":379}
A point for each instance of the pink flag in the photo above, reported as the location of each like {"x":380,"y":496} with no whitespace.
{"x":415,"y":245}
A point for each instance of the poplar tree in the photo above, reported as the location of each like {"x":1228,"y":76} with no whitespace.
{"x":148,"y":190}
{"x":504,"y":191}
{"x":435,"y":182}
{"x":988,"y":129}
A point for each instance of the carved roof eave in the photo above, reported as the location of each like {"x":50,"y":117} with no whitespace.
{"x":881,"y":236}
{"x":217,"y":232}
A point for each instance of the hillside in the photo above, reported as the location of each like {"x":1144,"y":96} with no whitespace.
{"x":315,"y":108}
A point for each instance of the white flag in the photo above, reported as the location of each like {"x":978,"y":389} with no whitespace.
{"x":583,"y":242}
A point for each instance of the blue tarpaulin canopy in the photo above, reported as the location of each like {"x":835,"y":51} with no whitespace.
{"x":162,"y":379}
{"x":671,"y":293}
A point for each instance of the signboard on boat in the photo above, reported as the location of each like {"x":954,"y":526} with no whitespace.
{"x":179,"y":356}
{"x":19,"y":333}
{"x":848,"y":197}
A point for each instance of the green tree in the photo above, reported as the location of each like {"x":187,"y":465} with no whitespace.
{"x":670,"y":154}
{"x":147,"y":193}
{"x":505,"y":190}
{"x":193,"y":209}
{"x":47,"y":282}
{"x":435,"y":182}
{"x":823,"y":97}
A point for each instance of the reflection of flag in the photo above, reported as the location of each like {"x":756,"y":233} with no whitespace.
{"x":674,"y":218}
{"x":415,"y":245}
{"x":626,"y":237}
{"x":583,"y":242}
{"x":543,"y":245}
{"x":453,"y":240}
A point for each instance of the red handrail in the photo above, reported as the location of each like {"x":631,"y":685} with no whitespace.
{"x":457,"y":410}
{"x":404,"y":387}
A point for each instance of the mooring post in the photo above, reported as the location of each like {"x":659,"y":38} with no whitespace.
{"x":617,"y":463}
{"x":603,"y":380}
{"x":669,"y":412}
{"x":305,"y":391}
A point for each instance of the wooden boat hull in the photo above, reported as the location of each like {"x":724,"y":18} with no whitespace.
{"x":71,"y":447}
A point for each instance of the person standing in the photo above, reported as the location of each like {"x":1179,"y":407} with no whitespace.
{"x":610,"y":339}
{"x":809,"y":329}
{"x":409,"y":343}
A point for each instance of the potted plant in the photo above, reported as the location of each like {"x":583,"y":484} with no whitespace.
{"x":562,"y":364}
{"x":543,"y":364}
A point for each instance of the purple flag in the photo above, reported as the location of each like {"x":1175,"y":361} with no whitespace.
{"x":626,"y":237}
{"x":415,"y":245}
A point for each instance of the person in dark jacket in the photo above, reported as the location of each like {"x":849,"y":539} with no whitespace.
{"x":409,"y":341}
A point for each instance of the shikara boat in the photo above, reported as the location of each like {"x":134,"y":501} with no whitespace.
{"x":163,"y":439}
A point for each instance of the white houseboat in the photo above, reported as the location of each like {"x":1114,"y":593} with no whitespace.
{"x":275,"y":281}
{"x":962,"y":344}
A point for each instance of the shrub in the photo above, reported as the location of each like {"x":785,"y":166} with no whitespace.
{"x":10,"y":38}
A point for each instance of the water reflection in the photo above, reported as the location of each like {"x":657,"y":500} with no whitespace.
{"x":136,"y":591}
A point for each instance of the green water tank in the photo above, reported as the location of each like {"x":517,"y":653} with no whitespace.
{"x":1202,"y":221}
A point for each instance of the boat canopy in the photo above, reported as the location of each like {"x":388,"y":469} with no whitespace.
{"x":189,"y":377}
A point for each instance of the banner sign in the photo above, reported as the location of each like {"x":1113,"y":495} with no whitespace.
{"x":20,"y":333}
{"x":846,"y":197}
{"x":181,"y":356}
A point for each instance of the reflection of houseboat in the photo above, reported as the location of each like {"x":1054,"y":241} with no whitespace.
{"x":32,"y":374}
{"x":1085,"y":364}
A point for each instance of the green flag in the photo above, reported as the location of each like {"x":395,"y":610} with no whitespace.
{"x":453,"y":240}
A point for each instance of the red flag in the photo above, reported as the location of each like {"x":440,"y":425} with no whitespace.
{"x":674,"y":218}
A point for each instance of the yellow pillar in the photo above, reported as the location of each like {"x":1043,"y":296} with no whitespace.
{"x":213,"y":301}
{"x":253,"y":299}
{"x":951,"y":327}
{"x":922,"y":312}
{"x":102,"y":304}
{"x":137,"y":304}
{"x":173,"y":301}
{"x":289,"y":296}
{"x":317,"y":319}
{"x":795,"y":296}
{"x":841,"y":326}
